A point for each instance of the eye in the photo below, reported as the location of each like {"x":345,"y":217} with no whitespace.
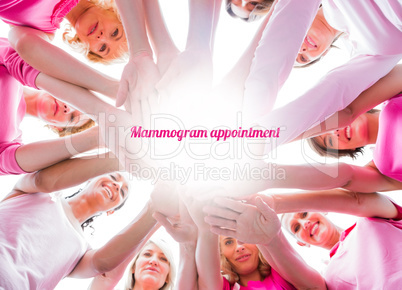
{"x":164,"y":259}
{"x":254,"y":3}
{"x":103,"y":48}
{"x":147,"y":254}
{"x":303,"y":59}
{"x":330,"y":142}
{"x":296,"y":228}
{"x":115,"y":33}
{"x":113,"y":177}
{"x":304,"y":215}
{"x":228,"y":242}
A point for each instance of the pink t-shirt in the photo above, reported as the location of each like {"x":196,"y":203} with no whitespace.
{"x":273,"y":281}
{"x":44,"y":15}
{"x":371,"y":250}
{"x":389,"y":139}
{"x":13,"y":72}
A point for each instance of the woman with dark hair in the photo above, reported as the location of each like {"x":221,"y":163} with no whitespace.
{"x":42,"y":240}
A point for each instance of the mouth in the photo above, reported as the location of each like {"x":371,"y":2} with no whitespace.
{"x":243,"y":258}
{"x":92,"y":29}
{"x":310,"y":42}
{"x":313,"y":229}
{"x":109,"y":192}
{"x":56,"y":107}
{"x":348,"y":131}
{"x":152,"y":269}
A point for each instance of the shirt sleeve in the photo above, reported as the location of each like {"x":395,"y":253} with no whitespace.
{"x":276,"y":54}
{"x":332,"y":93}
{"x":16,"y":66}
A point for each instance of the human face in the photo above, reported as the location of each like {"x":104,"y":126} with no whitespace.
{"x":102,"y":31}
{"x":57,"y":113}
{"x":105,"y":192}
{"x":244,"y":9}
{"x":310,"y":227}
{"x":351,"y":137}
{"x":317,"y":42}
{"x":152,"y":267}
{"x":243,"y":257}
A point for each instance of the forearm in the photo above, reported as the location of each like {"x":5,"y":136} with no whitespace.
{"x":160,"y":38}
{"x":208,"y":261}
{"x":288,"y":263}
{"x":132,"y":15}
{"x":49,"y":59}
{"x":67,"y":173}
{"x":39,"y":155}
{"x":335,"y":200}
{"x":187,"y":272}
{"x":201,"y":26}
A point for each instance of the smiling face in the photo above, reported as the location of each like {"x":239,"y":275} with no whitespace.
{"x":317,"y":42}
{"x":152,"y":267}
{"x":351,"y":137}
{"x":243,"y":257}
{"x":311,"y":228}
{"x":57,"y":113}
{"x":102,"y":32}
{"x":105,"y":192}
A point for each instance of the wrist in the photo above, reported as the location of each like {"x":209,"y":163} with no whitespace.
{"x":273,"y":241}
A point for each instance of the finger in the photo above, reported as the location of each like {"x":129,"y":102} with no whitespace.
{"x":223,"y":232}
{"x":265,"y":210}
{"x":162,"y":219}
{"x":221,"y":212}
{"x":231,"y":204}
{"x":122,"y":93}
{"x":222,"y":223}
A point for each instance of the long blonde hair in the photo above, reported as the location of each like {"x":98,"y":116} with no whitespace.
{"x":227,"y":269}
{"x":130,"y":279}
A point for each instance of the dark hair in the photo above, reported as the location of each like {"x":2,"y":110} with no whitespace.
{"x":335,"y":153}
{"x":261,"y":9}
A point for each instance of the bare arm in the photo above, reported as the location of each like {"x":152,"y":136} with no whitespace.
{"x":335,"y":200}
{"x":116,"y":251}
{"x":66,"y":174}
{"x":32,"y":45}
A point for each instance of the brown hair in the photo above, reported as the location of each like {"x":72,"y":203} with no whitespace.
{"x":226,"y":267}
{"x":335,"y":153}
{"x":72,"y":39}
{"x":65,"y":131}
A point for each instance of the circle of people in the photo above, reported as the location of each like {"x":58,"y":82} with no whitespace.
{"x":229,"y":234}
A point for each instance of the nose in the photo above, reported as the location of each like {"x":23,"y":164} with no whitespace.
{"x":117,"y":185}
{"x":153,"y":261}
{"x":240,"y":248}
{"x":66,"y":109}
{"x":101,"y":35}
{"x":305,"y":224}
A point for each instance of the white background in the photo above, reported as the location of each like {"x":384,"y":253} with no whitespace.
{"x":231,"y":39}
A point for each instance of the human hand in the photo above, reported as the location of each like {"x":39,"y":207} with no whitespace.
{"x":182,"y":229}
{"x":138,"y":79}
{"x":250,"y":224}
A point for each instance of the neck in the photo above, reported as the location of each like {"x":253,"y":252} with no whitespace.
{"x":31,"y":98}
{"x":334,"y":238}
{"x":80,"y":208}
{"x":321,"y":17}
{"x":254,"y":276}
{"x":373,"y":122}
{"x":78,"y":10}
{"x":142,"y":286}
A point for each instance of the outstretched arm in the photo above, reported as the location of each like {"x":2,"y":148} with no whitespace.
{"x":66,"y":174}
{"x":33,"y":46}
{"x":119,"y":248}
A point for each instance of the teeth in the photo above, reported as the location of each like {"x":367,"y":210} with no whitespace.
{"x":309,"y":41}
{"x":348,"y":132}
{"x":108,"y":192}
{"x":314,"y":229}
